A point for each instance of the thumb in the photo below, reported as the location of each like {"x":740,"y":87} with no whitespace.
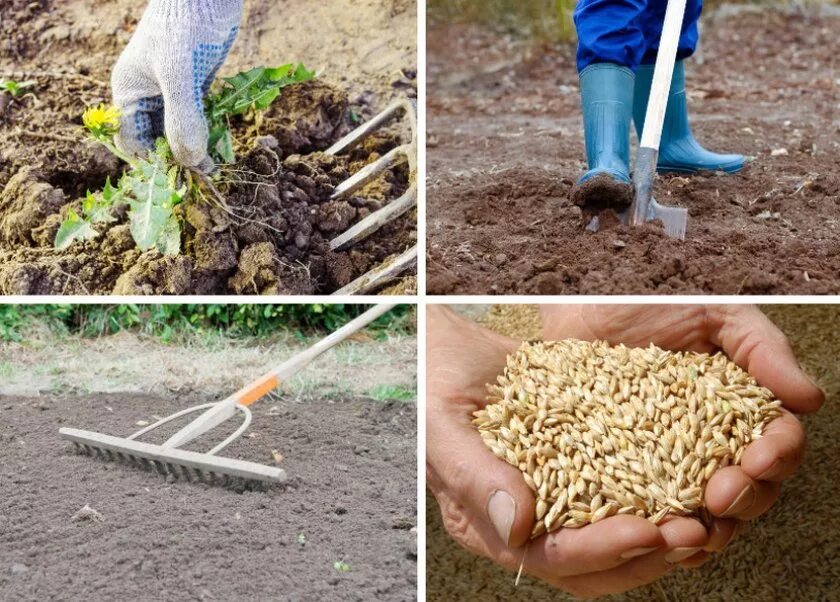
{"x":490,"y":488}
{"x":756,"y":344}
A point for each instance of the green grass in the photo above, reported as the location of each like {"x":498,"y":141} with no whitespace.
{"x":172,"y":323}
{"x":391,"y":393}
{"x":542,"y":20}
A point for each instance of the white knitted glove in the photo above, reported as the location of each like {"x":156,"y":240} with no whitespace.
{"x":161,"y":78}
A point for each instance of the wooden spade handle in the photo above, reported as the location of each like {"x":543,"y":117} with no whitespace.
{"x":662,"y":74}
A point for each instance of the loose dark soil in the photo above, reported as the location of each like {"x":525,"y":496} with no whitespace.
{"x":506,"y":146}
{"x":269,"y":232}
{"x":351,"y":497}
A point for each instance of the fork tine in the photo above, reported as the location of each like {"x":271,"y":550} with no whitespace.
{"x":370,"y":172}
{"x":376,"y":220}
{"x":370,"y":126}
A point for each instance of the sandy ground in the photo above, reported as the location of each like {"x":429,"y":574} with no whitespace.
{"x":369,"y":46}
{"x":790,"y":553}
{"x":351,"y":497}
{"x":126,"y":363}
{"x":506,"y":145}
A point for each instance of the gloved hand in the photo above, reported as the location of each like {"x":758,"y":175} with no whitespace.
{"x":161,"y":78}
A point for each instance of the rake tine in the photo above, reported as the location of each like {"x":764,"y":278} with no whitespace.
{"x":167,"y":460}
{"x":404,"y":153}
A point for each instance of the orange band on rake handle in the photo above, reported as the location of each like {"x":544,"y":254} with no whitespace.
{"x":257,"y":390}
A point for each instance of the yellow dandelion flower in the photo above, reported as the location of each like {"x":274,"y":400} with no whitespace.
{"x":102,"y":121}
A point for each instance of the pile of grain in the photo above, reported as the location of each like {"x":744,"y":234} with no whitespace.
{"x":516,"y":321}
{"x":599,"y":430}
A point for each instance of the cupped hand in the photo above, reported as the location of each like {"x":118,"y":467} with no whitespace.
{"x":485,"y":503}
{"x":735,"y":493}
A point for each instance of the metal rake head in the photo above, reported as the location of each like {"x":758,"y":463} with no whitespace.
{"x":167,"y":459}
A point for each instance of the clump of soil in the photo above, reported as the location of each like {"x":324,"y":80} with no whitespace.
{"x":263,"y":227}
{"x":602,"y":191}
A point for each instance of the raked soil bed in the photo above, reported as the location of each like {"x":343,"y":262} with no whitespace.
{"x":506,"y":146}
{"x":351,"y":498}
{"x":268,"y":232}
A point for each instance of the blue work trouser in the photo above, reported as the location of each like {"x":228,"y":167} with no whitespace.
{"x":627,"y":32}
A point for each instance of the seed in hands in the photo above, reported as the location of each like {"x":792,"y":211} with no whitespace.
{"x":599,"y":430}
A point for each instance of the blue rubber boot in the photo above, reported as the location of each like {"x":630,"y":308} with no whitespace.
{"x":679,"y":152}
{"x":606,"y":92}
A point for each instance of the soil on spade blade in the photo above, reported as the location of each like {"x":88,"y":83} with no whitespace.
{"x":269,"y":232}
{"x":506,"y":146}
{"x":350,"y":498}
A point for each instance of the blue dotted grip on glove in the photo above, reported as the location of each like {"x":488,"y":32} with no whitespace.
{"x":207,"y":60}
{"x":148,"y":120}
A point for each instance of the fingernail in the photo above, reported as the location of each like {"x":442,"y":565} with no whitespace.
{"x":502,"y":510}
{"x":636,"y":552}
{"x":744,"y":500}
{"x":770,"y":472}
{"x":739,"y":528}
{"x":678,"y":554}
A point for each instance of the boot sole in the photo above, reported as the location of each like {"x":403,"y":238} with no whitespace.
{"x":666,"y":169}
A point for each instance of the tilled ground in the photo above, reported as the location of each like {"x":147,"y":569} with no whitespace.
{"x":506,"y":146}
{"x":269,"y":233}
{"x":351,"y":498}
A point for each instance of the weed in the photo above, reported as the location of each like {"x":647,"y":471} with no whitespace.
{"x":391,"y":393}
{"x":153,"y":187}
{"x":252,"y":90}
{"x":341,"y":566}
{"x":15,"y":89}
{"x":149,"y":188}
